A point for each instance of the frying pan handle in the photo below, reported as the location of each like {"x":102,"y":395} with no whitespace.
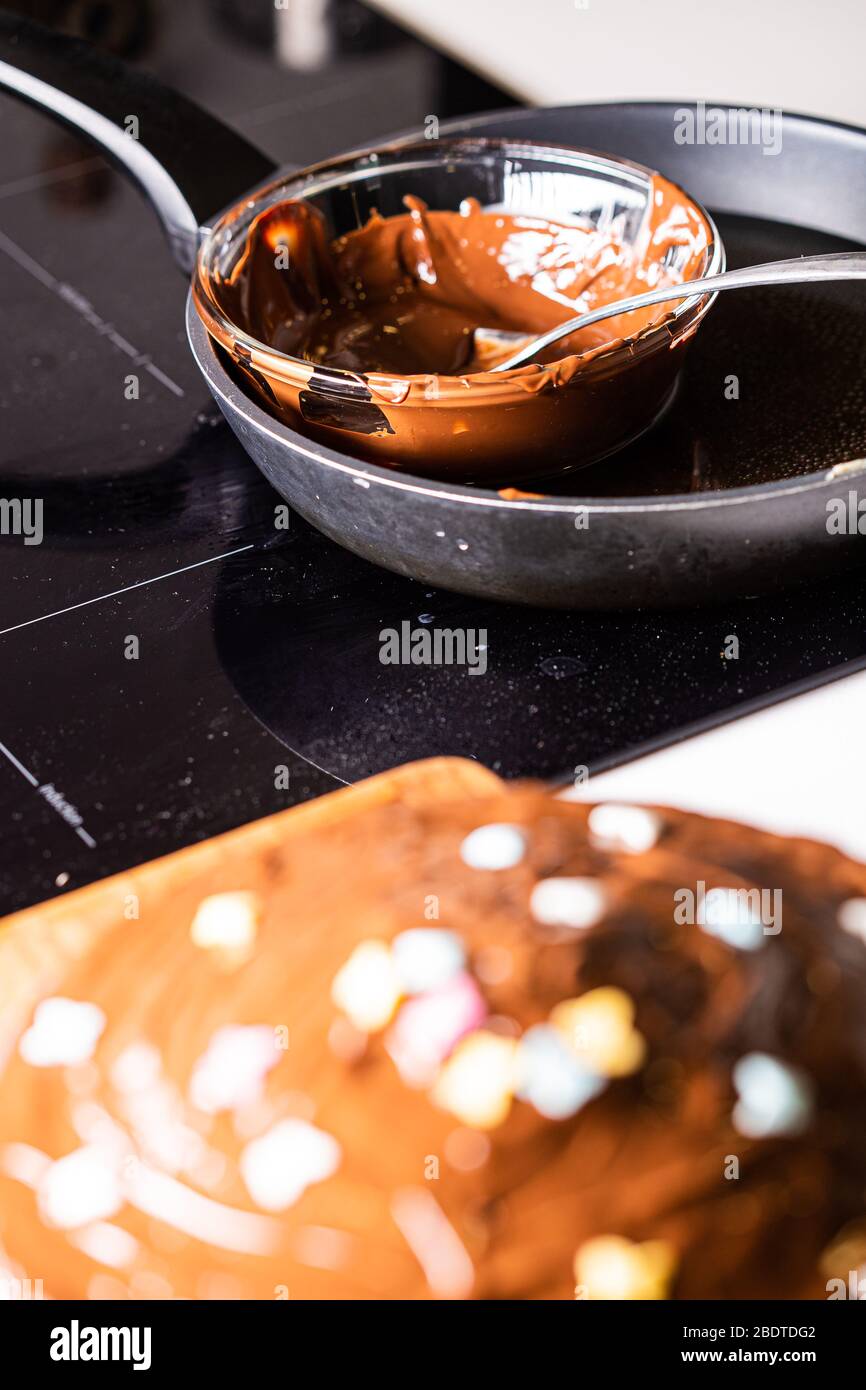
{"x":187,"y":164}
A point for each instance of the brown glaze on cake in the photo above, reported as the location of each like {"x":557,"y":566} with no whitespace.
{"x":339,"y":1141}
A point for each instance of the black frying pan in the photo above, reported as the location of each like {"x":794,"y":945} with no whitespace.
{"x":742,"y":508}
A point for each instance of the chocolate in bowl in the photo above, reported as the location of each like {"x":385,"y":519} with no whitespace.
{"x":347,"y":299}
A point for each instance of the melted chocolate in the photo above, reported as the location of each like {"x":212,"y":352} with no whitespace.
{"x":368,"y":343}
{"x":405,"y":294}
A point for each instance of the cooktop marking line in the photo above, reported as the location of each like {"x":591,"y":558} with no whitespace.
{"x":34,"y":782}
{"x":161,"y":376}
{"x":82,"y":306}
{"x":211,"y":560}
{"x":66,"y":171}
{"x":20,"y":766}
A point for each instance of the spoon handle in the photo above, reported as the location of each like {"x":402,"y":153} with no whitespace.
{"x":847,"y":265}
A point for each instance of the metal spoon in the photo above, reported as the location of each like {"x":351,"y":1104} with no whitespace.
{"x":848,"y":265}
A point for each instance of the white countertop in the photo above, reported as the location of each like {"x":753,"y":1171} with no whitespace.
{"x":803,"y":55}
{"x":795,"y":768}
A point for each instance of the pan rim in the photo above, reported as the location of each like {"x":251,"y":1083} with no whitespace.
{"x":667,"y":103}
{"x":221,"y":384}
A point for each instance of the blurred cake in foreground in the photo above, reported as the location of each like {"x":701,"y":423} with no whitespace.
{"x":500,"y":1046}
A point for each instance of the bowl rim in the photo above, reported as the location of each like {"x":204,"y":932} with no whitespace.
{"x":358,"y":164}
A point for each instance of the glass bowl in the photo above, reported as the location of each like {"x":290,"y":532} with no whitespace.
{"x":490,"y":428}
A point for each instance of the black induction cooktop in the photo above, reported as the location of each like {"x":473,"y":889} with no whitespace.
{"x":170,"y":664}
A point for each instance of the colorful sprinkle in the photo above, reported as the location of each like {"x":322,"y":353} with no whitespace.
{"x":774,"y":1098}
{"x":477,"y":1082}
{"x":64,"y":1033}
{"x":279,"y":1167}
{"x":497,"y":846}
{"x":730,"y":916}
{"x":106,"y":1243}
{"x":429,"y":1026}
{"x":230,"y":1072}
{"x":367,"y":988}
{"x":611,"y":1267}
{"x":427,"y":957}
{"x":226,"y":921}
{"x":852,"y":918}
{"x":568,"y":902}
{"x":631,"y":829}
{"x":549,"y":1076}
{"x":81,"y":1187}
{"x":137,"y":1068}
{"x":599,"y":1030}
{"x":434,"y":1242}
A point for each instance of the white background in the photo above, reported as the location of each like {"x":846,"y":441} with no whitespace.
{"x":806,"y":55}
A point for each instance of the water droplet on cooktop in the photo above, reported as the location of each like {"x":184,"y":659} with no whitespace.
{"x":561,"y":667}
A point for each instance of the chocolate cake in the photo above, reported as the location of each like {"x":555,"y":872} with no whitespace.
{"x":499,"y":1047}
